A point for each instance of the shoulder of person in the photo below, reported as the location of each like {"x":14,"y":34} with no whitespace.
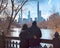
{"x":22,"y":31}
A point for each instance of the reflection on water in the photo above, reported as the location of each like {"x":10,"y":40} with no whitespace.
{"x":15,"y":33}
{"x":46,"y":34}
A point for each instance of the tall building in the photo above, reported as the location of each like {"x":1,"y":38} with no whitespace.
{"x":39,"y":18}
{"x":21,"y":13}
{"x":25,"y":20}
{"x":38,"y":10}
{"x":20,"y":17}
{"x":29,"y":15}
{"x":36,"y":19}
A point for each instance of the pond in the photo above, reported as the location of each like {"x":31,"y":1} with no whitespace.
{"x":46,"y":34}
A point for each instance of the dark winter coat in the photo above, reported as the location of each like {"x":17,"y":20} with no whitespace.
{"x":34,"y":30}
{"x":23,"y":38}
{"x":56,"y":43}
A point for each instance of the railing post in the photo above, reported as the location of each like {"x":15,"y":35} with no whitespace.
{"x":16,"y":45}
{"x":3,"y":37}
{"x":19,"y":45}
{"x":50,"y":47}
{"x":45,"y":46}
{"x":2,"y":40}
{"x":19,"y":42}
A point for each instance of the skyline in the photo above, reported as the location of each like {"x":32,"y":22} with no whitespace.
{"x":46,"y":7}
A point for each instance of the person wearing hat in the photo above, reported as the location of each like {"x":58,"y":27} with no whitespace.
{"x":35,"y":35}
{"x":56,"y":40}
{"x":24,"y":37}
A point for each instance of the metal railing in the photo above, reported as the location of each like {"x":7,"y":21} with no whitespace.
{"x":12,"y":42}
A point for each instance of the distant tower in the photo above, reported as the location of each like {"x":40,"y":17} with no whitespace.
{"x":39,"y":15}
{"x":36,"y":19}
{"x":20,"y":17}
{"x":38,"y":12}
{"x":29,"y":15}
{"x":21,"y":13}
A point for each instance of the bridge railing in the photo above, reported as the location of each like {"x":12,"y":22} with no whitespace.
{"x":14,"y":42}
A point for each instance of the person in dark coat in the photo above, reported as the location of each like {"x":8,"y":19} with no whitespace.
{"x":23,"y":37}
{"x":56,"y":41}
{"x":34,"y":35}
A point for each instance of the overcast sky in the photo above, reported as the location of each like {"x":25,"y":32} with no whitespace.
{"x":47,"y":7}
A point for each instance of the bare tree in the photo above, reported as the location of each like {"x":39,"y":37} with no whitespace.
{"x":2,"y":6}
{"x":14,"y":12}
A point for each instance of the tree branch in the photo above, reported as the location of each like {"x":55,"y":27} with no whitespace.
{"x":12,"y":19}
{"x":6,"y":13}
{"x":3,"y":8}
{"x":19,"y":9}
{"x":12,"y":2}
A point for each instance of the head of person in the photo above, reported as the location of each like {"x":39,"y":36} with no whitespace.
{"x":34,"y":23}
{"x":56,"y":34}
{"x":24,"y":27}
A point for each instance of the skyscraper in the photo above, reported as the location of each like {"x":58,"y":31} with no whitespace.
{"x":29,"y":15}
{"x":21,"y":13}
{"x":39,"y":18}
{"x":20,"y":17}
{"x":38,"y":10}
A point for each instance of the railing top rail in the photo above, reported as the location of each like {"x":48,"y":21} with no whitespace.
{"x":42,"y":40}
{"x":47,"y":41}
{"x":14,"y":38}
